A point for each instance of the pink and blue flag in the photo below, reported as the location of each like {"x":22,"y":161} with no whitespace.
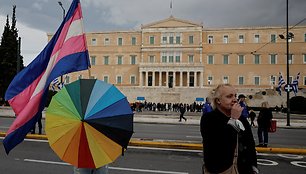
{"x":66,"y":52}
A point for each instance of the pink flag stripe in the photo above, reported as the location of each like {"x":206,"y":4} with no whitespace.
{"x":63,"y":35}
{"x":27,"y":113}
{"x":72,"y":45}
{"x":22,"y":99}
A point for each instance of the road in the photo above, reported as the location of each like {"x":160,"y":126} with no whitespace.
{"x":291,"y":138}
{"x":36,"y":157}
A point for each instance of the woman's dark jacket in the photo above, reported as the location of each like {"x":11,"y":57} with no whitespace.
{"x":219,"y":143}
{"x":264,"y":118}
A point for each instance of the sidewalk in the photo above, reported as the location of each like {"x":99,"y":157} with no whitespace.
{"x":192,"y":119}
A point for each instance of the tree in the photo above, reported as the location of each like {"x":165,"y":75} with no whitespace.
{"x":9,"y":51}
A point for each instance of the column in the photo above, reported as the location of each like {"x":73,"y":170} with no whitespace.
{"x":174,"y":79}
{"x":147,"y":78}
{"x":160,"y":78}
{"x":153,"y":78}
{"x":140,"y":79}
{"x":188,"y":78}
{"x":201,"y":79}
{"x":195,"y":78}
{"x":167,"y":78}
{"x":181,"y":78}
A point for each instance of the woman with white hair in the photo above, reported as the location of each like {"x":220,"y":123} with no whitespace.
{"x":264,"y":122}
{"x":227,"y":134}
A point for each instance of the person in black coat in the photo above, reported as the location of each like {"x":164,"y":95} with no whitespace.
{"x":220,"y":130}
{"x":182,"y":112}
{"x":264,"y":122}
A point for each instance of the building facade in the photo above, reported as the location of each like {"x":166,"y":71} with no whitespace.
{"x":175,"y":60}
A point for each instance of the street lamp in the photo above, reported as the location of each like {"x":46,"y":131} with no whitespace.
{"x":60,"y":3}
{"x":289,"y":36}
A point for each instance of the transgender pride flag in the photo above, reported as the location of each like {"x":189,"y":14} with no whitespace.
{"x":66,"y":52}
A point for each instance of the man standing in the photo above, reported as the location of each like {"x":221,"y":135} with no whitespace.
{"x":207,"y":107}
{"x":225,"y":134}
{"x":241,"y":100}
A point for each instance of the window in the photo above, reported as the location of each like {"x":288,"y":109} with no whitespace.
{"x":119,"y":60}
{"x":152,"y":40}
{"x":164,"y":39}
{"x":272,"y":58}
{"x":171,"y":39}
{"x":241,"y":39}
{"x":133,"y":80}
{"x":191,"y":40}
{"x":106,"y":60}
{"x":133,"y":59}
{"x":256,"y":38}
{"x":225,"y":39}
{"x":177,"y":58}
{"x":304,"y":58}
{"x":256,"y":59}
{"x":119,"y":80}
{"x":210,"y":39}
{"x":273,"y":38}
{"x":272,"y":80}
{"x":151,"y":59}
{"x":105,"y":79}
{"x":225,"y":79}
{"x":178,"y":40}
{"x":93,"y":41}
{"x":209,"y":80}
{"x":171,"y":59}
{"x":304,"y":80}
{"x":190,"y":59}
{"x":93,"y":60}
{"x":106,"y":41}
{"x":80,"y":76}
{"x":164,"y":59}
{"x":225,"y":59}
{"x":240,"y":80}
{"x":210,"y":59}
{"x":256,"y":80}
{"x":120,"y":40}
{"x":133,"y":40}
{"x":290,"y":58}
{"x":305,"y":37}
{"x":241,"y":59}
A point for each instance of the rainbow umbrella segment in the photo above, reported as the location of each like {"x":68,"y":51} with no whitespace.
{"x":89,"y":123}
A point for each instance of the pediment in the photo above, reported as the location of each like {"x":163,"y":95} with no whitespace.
{"x":171,"y":22}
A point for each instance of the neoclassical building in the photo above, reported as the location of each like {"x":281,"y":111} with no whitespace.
{"x":175,"y":60}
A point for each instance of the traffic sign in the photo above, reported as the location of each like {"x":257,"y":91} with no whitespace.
{"x":288,"y":87}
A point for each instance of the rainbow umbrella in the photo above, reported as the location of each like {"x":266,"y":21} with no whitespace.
{"x":89,"y":123}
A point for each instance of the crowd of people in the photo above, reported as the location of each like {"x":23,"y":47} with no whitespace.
{"x":175,"y":107}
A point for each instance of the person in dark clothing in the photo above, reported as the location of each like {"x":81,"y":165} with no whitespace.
{"x":182,"y":112}
{"x":206,"y":107}
{"x":264,"y":122}
{"x":221,"y":129}
{"x":39,"y":125}
{"x":241,"y":101}
{"x":252,"y":116}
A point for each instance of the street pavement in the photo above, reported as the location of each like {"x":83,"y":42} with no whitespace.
{"x":193,"y":118}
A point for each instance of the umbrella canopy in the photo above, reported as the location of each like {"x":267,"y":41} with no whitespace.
{"x":89,"y":123}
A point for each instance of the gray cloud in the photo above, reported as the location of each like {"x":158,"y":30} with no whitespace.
{"x":127,"y":14}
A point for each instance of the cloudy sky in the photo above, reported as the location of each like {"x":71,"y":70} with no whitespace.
{"x":35,"y":18}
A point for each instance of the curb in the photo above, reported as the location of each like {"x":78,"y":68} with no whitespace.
{"x":183,"y":145}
